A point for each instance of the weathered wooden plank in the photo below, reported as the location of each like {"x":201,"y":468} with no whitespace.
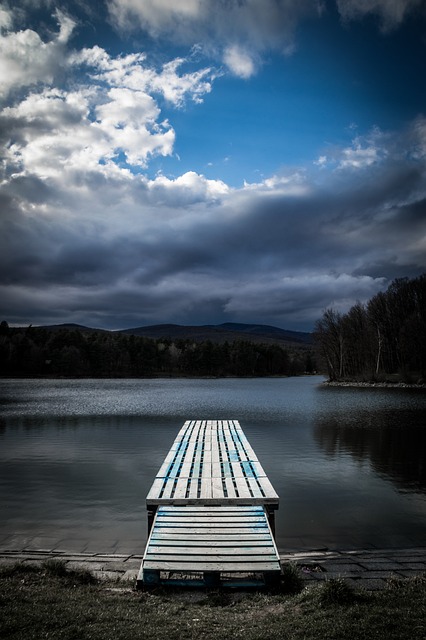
{"x":180,"y":440}
{"x":205,"y":516}
{"x":222,"y":521}
{"x":181,"y":488}
{"x":196,"y":468}
{"x":168,"y":486}
{"x":243,"y":488}
{"x":230,"y":489}
{"x":189,"y":515}
{"x":211,"y":541}
{"x":223,"y":450}
{"x":207,"y":456}
{"x":169,"y":457}
{"x":223,"y":508}
{"x":242,"y":452}
{"x":193,"y":488}
{"x":254,"y":486}
{"x":237,"y":470}
{"x":155,"y":490}
{"x":174,"y":471}
{"x":208,"y":550}
{"x":185,"y":471}
{"x":268,"y":489}
{"x":236,"y":530}
{"x":206,"y":474}
{"x":207,"y":444}
{"x":242,"y":444}
{"x":180,"y":457}
{"x":180,"y":565}
{"x":248,"y":509}
{"x":215,"y":453}
{"x":203,"y":522}
{"x":188,"y":453}
{"x":212,"y":502}
{"x":206,"y":489}
{"x":203,"y":559}
{"x":216,"y":469}
{"x":217,"y":487}
{"x":257,"y":468}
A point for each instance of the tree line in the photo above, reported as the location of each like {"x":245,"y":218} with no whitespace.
{"x":36,"y":351}
{"x":384,"y":339}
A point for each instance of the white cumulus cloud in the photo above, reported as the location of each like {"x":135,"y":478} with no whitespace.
{"x":108,"y":121}
{"x":25,"y":59}
{"x":239,"y":61}
{"x":187,"y":189}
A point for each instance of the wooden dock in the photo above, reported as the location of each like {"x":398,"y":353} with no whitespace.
{"x":211,"y":512}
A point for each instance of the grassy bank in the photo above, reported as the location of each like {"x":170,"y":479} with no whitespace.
{"x":49,"y":602}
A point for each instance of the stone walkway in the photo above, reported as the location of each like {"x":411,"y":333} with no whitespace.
{"x":369,"y":568}
{"x":366,"y":568}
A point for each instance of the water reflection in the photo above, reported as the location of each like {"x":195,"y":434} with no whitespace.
{"x":394,"y":444}
{"x":77,"y":458}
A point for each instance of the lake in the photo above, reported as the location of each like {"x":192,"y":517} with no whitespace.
{"x":77,"y":458}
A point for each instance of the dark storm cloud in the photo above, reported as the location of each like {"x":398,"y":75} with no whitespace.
{"x":279,"y":254}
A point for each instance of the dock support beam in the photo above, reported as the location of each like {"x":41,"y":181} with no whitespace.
{"x":151,"y":511}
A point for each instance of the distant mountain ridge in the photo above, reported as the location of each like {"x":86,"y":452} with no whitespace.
{"x":226,"y":332}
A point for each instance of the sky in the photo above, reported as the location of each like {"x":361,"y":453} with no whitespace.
{"x":208,"y":161}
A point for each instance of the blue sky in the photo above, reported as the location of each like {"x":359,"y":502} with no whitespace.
{"x":208,"y":161}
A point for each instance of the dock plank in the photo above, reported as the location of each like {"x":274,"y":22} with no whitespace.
{"x":215,"y":530}
{"x":163,"y":552}
{"x":242,"y":566}
{"x":208,"y":520}
{"x":227,"y":542}
{"x":210,"y":503}
{"x":211,"y":451}
{"x":211,"y":542}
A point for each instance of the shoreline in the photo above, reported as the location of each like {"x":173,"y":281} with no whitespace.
{"x":369,"y":569}
{"x":374,"y":385}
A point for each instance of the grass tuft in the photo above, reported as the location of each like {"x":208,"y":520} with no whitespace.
{"x":337,"y":591}
{"x":17,"y":569}
{"x":291,"y":579}
{"x":55,"y":567}
{"x":395,"y":582}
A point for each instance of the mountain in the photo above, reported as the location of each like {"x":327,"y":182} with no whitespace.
{"x":227,"y":332}
{"x":218,"y":334}
{"x":71,"y":326}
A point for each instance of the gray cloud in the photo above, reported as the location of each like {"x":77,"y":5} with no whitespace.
{"x":238,"y":32}
{"x":390,"y":12}
{"x":255,"y":253}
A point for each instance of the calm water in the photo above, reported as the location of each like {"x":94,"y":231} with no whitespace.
{"x":77,"y":458}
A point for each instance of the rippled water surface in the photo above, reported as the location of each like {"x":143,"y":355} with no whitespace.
{"x":77,"y":458}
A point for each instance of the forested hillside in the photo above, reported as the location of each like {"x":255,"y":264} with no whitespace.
{"x":384,"y":339}
{"x":36,"y":351}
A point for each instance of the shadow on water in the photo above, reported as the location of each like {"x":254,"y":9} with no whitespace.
{"x":394,"y":444}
